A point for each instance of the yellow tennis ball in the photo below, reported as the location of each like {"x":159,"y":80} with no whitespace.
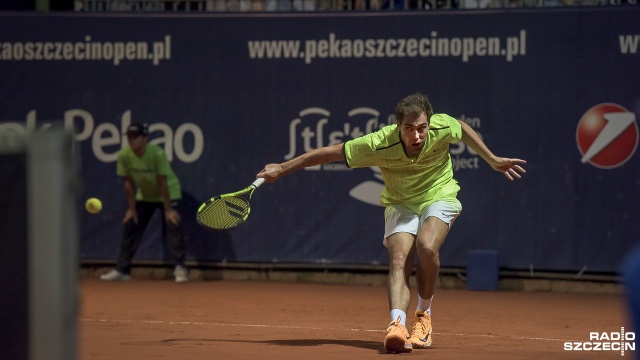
{"x":93,"y":205}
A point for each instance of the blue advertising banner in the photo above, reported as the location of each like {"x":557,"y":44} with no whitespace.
{"x":225,"y":94}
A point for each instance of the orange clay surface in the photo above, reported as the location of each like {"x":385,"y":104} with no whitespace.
{"x":159,"y":319}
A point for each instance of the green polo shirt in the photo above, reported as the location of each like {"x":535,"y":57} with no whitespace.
{"x":144,"y":171}
{"x":413,"y":182}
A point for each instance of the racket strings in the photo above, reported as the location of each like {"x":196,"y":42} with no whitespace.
{"x":224,"y":213}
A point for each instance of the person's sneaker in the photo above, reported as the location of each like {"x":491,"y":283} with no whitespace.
{"x":181,"y":274}
{"x":421,"y":330}
{"x":115,"y":275}
{"x":397,"y":339}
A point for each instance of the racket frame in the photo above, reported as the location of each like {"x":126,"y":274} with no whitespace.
{"x":241,"y":194}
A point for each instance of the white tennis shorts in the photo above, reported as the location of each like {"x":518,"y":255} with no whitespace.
{"x":398,"y":218}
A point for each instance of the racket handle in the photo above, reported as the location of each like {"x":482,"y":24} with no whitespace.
{"x":258,"y":182}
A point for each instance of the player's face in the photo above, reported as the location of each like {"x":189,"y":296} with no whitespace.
{"x":413,"y":132}
{"x":137,"y":143}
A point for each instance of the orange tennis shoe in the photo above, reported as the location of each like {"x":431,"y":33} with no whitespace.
{"x":421,"y":330}
{"x":397,"y":339}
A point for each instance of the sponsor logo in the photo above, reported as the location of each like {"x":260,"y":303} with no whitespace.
{"x":369,"y":191}
{"x":186,"y":142}
{"x":605,"y":341}
{"x":607,"y":136}
{"x":311,"y":130}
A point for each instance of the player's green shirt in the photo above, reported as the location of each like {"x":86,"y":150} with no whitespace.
{"x":144,"y":171}
{"x":413,"y":182}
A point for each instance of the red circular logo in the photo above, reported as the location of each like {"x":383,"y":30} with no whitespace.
{"x":607,"y":136}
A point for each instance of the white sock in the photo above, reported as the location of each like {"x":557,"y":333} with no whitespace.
{"x":425,"y":305}
{"x":395,"y":313}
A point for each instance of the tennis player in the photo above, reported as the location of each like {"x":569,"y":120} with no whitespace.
{"x":419,"y":196}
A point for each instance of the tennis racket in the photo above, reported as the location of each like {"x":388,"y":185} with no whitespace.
{"x":227,"y":211}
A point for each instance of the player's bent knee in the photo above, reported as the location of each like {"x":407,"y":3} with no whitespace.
{"x":427,"y":250}
{"x":398,"y":262}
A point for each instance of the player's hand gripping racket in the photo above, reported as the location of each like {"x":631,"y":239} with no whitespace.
{"x":227,"y":211}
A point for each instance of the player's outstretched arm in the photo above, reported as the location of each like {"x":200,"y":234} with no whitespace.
{"x":510,"y":167}
{"x":323,"y":155}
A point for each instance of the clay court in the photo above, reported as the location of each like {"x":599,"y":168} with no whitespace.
{"x":205,"y":319}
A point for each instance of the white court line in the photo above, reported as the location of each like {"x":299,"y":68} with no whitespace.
{"x":313,"y":328}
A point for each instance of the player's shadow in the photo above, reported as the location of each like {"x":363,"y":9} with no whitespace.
{"x":363,"y":344}
{"x":371,"y":345}
{"x":203,"y":245}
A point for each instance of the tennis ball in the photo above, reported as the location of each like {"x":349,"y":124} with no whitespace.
{"x":93,"y":205}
